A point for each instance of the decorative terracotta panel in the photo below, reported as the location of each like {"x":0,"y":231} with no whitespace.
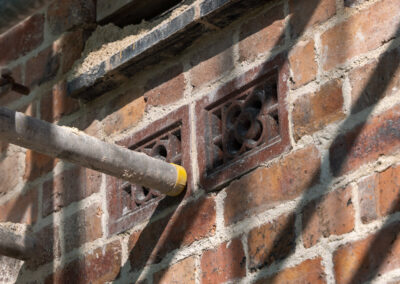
{"x":242,"y":124}
{"x":166,"y":139}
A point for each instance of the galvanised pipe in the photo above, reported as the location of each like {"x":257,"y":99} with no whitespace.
{"x":14,"y":11}
{"x":84,"y":150}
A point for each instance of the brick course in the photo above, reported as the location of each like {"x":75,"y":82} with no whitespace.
{"x":305,"y":191}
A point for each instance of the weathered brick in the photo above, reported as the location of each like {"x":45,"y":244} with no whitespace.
{"x":309,"y":271}
{"x":165,"y":88}
{"x":224,"y":263}
{"x":69,"y":186}
{"x":192,"y":222}
{"x":332,"y":214}
{"x":181,"y":272}
{"x":302,"y":63}
{"x":285,"y":180}
{"x":22,"y":39}
{"x":271,"y":242}
{"x":101,"y":266}
{"x":211,"y":61}
{"x":359,"y":34}
{"x":361,"y":261}
{"x":312,"y":112}
{"x":375,"y":80}
{"x":9,"y":172}
{"x":42,"y":68}
{"x":71,"y":45}
{"x":262,"y":34}
{"x":64,"y":15}
{"x":89,"y":121}
{"x":57,"y":103}
{"x":82,"y":227}
{"x":48,"y":239}
{"x":127,"y":116}
{"x":11,"y":96}
{"x":37,"y":164}
{"x":3,"y":147}
{"x":379,"y":194}
{"x":305,"y":14}
{"x":21,"y":209}
{"x":366,"y":142}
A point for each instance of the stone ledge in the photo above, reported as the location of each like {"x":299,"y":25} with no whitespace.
{"x":161,"y":43}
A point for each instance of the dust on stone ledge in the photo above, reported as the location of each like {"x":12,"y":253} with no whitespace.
{"x":110,"y":39}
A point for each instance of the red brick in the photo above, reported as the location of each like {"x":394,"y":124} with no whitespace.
{"x":101,"y":266}
{"x":22,"y":39}
{"x":165,"y":88}
{"x":312,"y":112}
{"x":127,"y":116}
{"x":9,"y":172}
{"x":70,"y":186}
{"x":309,"y":271}
{"x":375,"y":80}
{"x":37,"y":164}
{"x":212,"y":61}
{"x":226,"y":262}
{"x":187,"y":224}
{"x":271,"y":242}
{"x":182,"y":272}
{"x":64,"y":15}
{"x":21,"y":209}
{"x":88,"y":121}
{"x":379,"y":194}
{"x":42,"y":68}
{"x":366,"y":142}
{"x":361,"y":33}
{"x":57,"y":103}
{"x":262,"y":34}
{"x":285,"y":180}
{"x":360,"y":261}
{"x":82,"y":227}
{"x":71,"y":45}
{"x":3,"y":148}
{"x":302,"y":63}
{"x":48,"y":239}
{"x":12,"y":96}
{"x":307,"y":13}
{"x":333,"y":214}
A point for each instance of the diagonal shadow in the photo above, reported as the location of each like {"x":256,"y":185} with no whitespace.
{"x":147,"y":246}
{"x":338,"y":158}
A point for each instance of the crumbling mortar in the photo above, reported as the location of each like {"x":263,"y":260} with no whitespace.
{"x":327,"y":263}
{"x":193,"y":149}
{"x":219,"y":210}
{"x":388,"y":277}
{"x":198,"y":270}
{"x":355,"y":200}
{"x":103,"y":197}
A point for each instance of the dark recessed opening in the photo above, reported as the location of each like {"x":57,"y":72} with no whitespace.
{"x":135,"y":11}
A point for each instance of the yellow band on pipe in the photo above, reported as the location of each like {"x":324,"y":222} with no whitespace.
{"x":181,"y":179}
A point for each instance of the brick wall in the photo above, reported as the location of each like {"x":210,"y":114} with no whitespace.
{"x":287,"y":120}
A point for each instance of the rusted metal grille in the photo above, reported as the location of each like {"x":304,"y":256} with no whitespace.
{"x":242,"y":124}
{"x":166,"y":147}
